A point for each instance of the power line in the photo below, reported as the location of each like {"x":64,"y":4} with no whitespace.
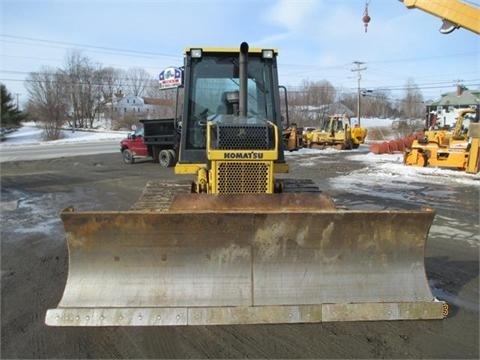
{"x":87,"y":46}
{"x":176,"y":56}
{"x":421,"y":86}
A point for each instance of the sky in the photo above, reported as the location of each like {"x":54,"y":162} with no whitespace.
{"x":316,"y":39}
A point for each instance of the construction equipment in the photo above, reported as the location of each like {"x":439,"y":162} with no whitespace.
{"x":451,"y":149}
{"x":157,"y":139}
{"x":292,"y":137}
{"x":454,"y":13}
{"x":239,"y":245}
{"x":337,"y":132}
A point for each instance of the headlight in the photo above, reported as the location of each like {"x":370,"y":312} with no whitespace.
{"x":267,"y":54}
{"x":196,"y":53}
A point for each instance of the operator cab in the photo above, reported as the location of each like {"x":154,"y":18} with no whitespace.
{"x":212,"y":93}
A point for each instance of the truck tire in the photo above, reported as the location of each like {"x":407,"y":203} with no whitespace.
{"x":174,"y":156}
{"x":128,"y":157}
{"x":165,"y":158}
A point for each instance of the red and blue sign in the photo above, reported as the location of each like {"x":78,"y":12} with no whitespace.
{"x":170,"y":77}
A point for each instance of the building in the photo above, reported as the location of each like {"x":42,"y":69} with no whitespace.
{"x":443,"y":113}
{"x":144,"y":106}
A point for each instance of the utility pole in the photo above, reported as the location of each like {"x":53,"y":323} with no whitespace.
{"x":359,"y":77}
{"x":17,"y":95}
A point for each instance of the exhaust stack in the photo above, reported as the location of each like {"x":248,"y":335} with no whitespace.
{"x":243,"y":79}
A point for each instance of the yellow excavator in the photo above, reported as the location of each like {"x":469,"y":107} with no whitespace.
{"x":238,"y":244}
{"x":455,"y":149}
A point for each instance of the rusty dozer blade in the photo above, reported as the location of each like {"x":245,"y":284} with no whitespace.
{"x":283,"y":258}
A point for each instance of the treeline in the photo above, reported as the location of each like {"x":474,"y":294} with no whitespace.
{"x":377,"y":103}
{"x":78,"y":92}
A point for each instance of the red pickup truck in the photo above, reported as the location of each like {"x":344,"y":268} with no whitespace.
{"x":157,"y":139}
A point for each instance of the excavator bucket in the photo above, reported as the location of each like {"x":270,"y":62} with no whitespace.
{"x":248,"y":259}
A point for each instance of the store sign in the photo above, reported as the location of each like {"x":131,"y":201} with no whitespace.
{"x":170,"y":78}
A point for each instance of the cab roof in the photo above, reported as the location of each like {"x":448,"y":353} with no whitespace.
{"x":210,"y":49}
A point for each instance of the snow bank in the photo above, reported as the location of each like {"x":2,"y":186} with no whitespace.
{"x":373,"y":122}
{"x":383,"y":168}
{"x":29,"y":134}
{"x":390,"y":166}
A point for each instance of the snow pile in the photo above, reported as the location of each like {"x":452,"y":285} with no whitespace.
{"x":390,"y":167}
{"x":29,"y":134}
{"x":373,"y":122}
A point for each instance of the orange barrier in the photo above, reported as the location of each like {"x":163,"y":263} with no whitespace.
{"x":392,"y":146}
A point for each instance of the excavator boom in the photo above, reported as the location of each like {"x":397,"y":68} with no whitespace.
{"x":454,"y":13}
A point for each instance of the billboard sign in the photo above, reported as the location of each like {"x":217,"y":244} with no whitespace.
{"x":170,"y":78}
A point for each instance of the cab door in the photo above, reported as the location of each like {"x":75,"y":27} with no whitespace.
{"x":138,"y":146}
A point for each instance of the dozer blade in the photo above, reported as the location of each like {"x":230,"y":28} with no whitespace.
{"x":242,"y":260}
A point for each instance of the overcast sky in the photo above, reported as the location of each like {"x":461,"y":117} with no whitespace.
{"x":316,"y":39}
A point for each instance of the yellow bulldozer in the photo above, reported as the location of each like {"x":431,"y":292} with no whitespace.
{"x":337,"y":131}
{"x":456,"y":149}
{"x":239,"y":244}
{"x":293,"y":137}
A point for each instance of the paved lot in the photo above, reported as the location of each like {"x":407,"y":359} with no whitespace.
{"x":34,"y":265}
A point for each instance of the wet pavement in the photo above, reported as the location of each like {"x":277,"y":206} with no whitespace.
{"x":34,"y":262}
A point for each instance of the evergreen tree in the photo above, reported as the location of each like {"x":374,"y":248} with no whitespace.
{"x":10,"y":115}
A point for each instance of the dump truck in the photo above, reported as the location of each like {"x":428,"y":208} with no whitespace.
{"x":157,"y":139}
{"x":456,"y":149}
{"x":240,"y":243}
{"x":337,"y":131}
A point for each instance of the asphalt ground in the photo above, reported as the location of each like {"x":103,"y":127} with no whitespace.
{"x":34,"y":264}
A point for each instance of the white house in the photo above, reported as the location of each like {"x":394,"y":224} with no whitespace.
{"x":148,"y":107}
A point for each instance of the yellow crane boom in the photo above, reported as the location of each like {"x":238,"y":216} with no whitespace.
{"x":454,"y":13}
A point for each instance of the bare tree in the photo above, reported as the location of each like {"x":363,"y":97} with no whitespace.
{"x":349,"y":99}
{"x":47,"y":101}
{"x":376,"y":103}
{"x":380,"y":104}
{"x":138,"y":79}
{"x":318,"y":92}
{"x":84,"y":84}
{"x":412,"y":105}
{"x":110,"y":80}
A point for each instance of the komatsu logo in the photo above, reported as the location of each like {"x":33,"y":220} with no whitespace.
{"x":243,"y":155}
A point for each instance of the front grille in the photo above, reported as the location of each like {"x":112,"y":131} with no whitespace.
{"x":242,"y":178}
{"x":242,"y":137}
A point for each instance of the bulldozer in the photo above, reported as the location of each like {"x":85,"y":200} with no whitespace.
{"x":455,"y":149}
{"x":336,"y":132}
{"x":292,"y":137}
{"x":239,"y":243}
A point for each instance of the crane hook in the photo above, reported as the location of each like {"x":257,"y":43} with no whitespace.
{"x":366,"y":18}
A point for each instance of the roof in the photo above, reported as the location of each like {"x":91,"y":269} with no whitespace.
{"x":156,"y":101}
{"x":210,"y":49}
{"x":468,"y":97}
